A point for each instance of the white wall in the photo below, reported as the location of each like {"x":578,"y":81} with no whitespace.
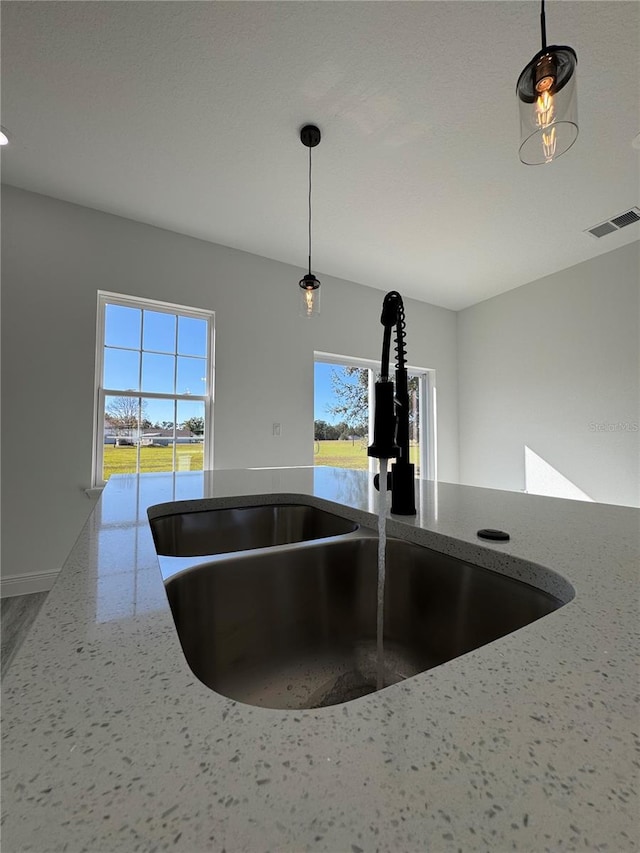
{"x":57,"y":255}
{"x":554,"y":366}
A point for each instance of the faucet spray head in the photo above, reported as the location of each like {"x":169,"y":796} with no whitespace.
{"x":390,"y":308}
{"x":384,"y":427}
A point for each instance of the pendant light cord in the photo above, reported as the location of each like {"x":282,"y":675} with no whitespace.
{"x":543,"y":26}
{"x":309,"y":210}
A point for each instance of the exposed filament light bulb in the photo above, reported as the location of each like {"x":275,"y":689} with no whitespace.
{"x":309,"y":296}
{"x":549,"y":144}
{"x":308,"y":302}
{"x":545,"y":116}
{"x":545,"y":109}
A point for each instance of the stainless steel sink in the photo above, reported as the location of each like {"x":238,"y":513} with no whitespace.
{"x":221,"y":531}
{"x":296,"y":628}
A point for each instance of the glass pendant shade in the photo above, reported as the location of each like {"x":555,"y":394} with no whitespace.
{"x":548,"y":105}
{"x":309,"y":296}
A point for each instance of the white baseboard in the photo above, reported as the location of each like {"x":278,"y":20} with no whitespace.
{"x":25,"y":584}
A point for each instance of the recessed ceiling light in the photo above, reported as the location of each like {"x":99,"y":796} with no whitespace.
{"x":4,"y":136}
{"x":635,"y":142}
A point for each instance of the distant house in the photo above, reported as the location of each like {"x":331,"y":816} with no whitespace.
{"x":152,"y":437}
{"x":164,"y":437}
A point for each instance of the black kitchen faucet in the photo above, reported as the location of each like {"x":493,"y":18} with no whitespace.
{"x":391,"y":419}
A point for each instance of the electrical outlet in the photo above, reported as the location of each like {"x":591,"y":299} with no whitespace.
{"x":276,"y":429}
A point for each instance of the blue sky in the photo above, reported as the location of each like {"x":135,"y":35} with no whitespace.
{"x":323,"y":391}
{"x":322,"y":395}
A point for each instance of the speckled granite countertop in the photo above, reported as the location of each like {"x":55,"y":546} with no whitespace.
{"x":111,"y":744}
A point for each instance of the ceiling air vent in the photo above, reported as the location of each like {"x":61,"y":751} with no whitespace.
{"x":627,"y":218}
{"x":601,"y":230}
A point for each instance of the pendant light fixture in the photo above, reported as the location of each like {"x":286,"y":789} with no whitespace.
{"x":547,"y":99}
{"x":309,"y":284}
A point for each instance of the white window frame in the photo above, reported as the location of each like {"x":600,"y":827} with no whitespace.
{"x":427,"y":431}
{"x":108,"y":298}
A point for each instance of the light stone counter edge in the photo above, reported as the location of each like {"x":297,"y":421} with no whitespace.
{"x":110,"y":743}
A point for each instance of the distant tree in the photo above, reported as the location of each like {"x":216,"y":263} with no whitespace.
{"x":324,"y":431}
{"x":351,"y":389}
{"x":342,"y":430}
{"x":333,"y":431}
{"x":320,"y":430}
{"x":194,"y":425}
{"x":123,"y":413}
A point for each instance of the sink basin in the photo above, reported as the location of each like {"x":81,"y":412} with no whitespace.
{"x":296,"y":628}
{"x":221,"y":531}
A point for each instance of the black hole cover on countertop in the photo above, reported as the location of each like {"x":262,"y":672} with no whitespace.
{"x":493,"y":535}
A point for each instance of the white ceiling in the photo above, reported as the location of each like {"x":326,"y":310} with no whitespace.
{"x":185,"y":115}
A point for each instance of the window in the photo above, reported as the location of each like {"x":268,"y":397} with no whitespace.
{"x":154,"y":387}
{"x":343,"y":414}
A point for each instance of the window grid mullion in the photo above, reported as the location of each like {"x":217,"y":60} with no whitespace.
{"x":155,"y":395}
{"x":140,"y":350}
{"x":154,"y":351}
{"x":174,"y":456}
{"x":175,"y":437}
{"x":137,"y":438}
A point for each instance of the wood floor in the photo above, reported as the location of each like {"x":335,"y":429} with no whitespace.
{"x":17,"y":614}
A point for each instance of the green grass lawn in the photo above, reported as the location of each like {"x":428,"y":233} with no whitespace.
{"x":347,"y":454}
{"x":122,"y":460}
